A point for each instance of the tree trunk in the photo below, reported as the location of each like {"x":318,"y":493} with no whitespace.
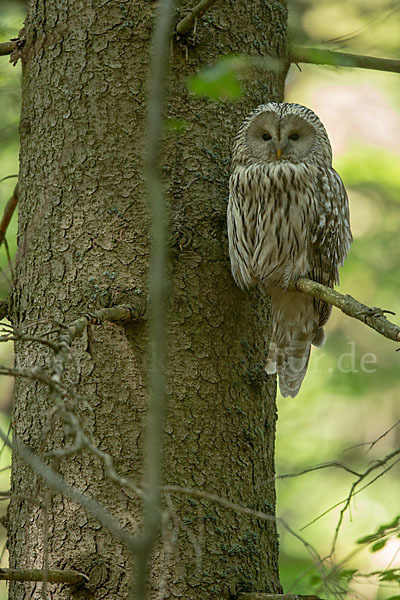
{"x":83,"y":244}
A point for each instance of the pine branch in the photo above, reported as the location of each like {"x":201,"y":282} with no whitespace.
{"x":318,"y":56}
{"x":51,"y":576}
{"x":197,"y":11}
{"x":371,"y":316}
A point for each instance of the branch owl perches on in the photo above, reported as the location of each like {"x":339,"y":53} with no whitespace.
{"x":288,"y":217}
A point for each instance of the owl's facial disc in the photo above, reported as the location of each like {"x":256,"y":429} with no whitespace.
{"x":297,"y":138}
{"x":270,"y":138}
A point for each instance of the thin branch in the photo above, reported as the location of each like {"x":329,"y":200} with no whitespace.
{"x":330,"y":585}
{"x":20,"y":337}
{"x":8,"y":213}
{"x":327,"y":465}
{"x":36,"y":373}
{"x":152,"y":521}
{"x":375,"y":465}
{"x":75,"y":329}
{"x":114,"y":314}
{"x":198,"y":11}
{"x":9,"y":260}
{"x":354,"y":492}
{"x":318,"y":56}
{"x":52,"y":575}
{"x":374,"y":442}
{"x":238,"y":508}
{"x":371,"y":316}
{"x":7,"y":48}
{"x":62,"y":355}
{"x":81,"y":439}
{"x":56,"y":482}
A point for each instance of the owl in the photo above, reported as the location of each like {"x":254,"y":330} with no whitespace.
{"x":288,"y":217}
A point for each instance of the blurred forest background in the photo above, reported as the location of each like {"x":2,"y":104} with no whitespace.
{"x":350,"y":395}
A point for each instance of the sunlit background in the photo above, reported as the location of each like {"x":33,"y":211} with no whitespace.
{"x":350,"y":396}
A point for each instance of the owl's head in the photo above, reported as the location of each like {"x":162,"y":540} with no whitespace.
{"x":282,"y":131}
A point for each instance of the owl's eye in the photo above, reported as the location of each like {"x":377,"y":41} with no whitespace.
{"x":294,"y":137}
{"x":267,"y":137}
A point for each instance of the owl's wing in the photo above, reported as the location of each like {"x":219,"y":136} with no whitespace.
{"x":331,"y":235}
{"x":241,"y":217}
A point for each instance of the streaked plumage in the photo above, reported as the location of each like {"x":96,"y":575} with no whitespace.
{"x":288,"y":217}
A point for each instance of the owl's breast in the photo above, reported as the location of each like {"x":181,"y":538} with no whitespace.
{"x":286,"y":204}
{"x":272,"y":210}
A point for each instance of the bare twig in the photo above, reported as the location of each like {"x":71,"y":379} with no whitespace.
{"x":330,"y":585}
{"x":152,"y":522}
{"x":82,"y":440}
{"x":375,"y":465}
{"x":52,"y":575}
{"x":56,"y":482}
{"x":7,"y":48}
{"x":20,"y":337}
{"x":318,"y":56}
{"x":70,"y":332}
{"x":17,"y":52}
{"x":371,"y":316}
{"x":62,"y":354}
{"x":36,"y":373}
{"x":375,"y":441}
{"x":8,"y":213}
{"x":354,"y":491}
{"x":326,"y":465}
{"x":197,"y":11}
{"x":238,"y":508}
{"x":9,"y":260}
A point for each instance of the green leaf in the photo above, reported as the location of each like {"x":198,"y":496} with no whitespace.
{"x":347,"y":573}
{"x":391,"y":525}
{"x":221,"y":81}
{"x":391,"y":575}
{"x":177,"y":125}
{"x":378,"y":546}
{"x":367,"y":539}
{"x":393,"y":598}
{"x":394,"y":523}
{"x":315,"y":579}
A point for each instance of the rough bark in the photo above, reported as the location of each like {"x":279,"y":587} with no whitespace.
{"x":83,"y":243}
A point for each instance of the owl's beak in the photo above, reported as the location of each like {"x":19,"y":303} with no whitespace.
{"x":279,"y":152}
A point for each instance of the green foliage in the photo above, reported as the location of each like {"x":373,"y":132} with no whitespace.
{"x":341,"y":407}
{"x":382,"y":535}
{"x":221,"y":82}
{"x":176,"y":125}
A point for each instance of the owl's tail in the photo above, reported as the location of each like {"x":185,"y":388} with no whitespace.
{"x":296,"y":325}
